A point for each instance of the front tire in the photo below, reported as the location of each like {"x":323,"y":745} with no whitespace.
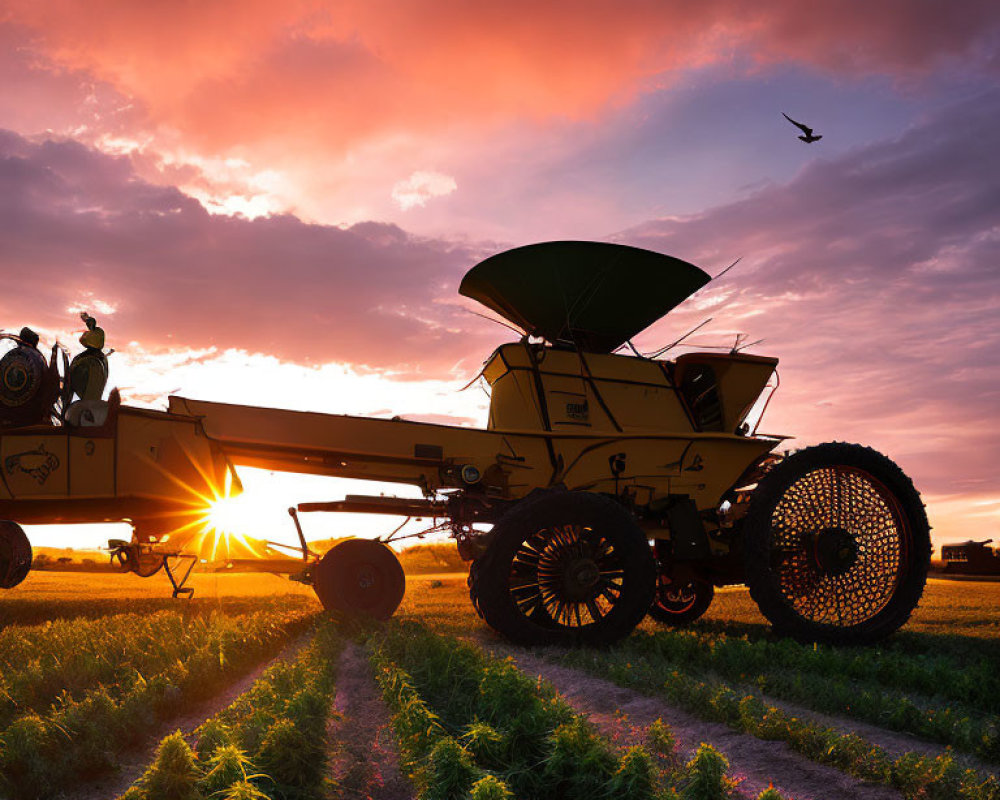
{"x":837,"y":545}
{"x":565,"y":568}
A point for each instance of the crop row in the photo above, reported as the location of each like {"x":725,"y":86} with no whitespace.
{"x":829,"y":680}
{"x":470,"y":725}
{"x":60,"y":660}
{"x":80,"y":736}
{"x":27,"y":610}
{"x":915,"y":775}
{"x":965,"y":638}
{"x":270,"y":743}
{"x":972,"y":681}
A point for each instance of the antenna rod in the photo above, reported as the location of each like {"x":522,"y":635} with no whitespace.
{"x":670,"y":346}
{"x":737,"y":261}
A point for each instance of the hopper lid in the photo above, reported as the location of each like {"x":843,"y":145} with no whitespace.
{"x":594,"y":294}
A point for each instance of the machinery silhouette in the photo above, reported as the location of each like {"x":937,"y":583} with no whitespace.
{"x":604,"y":487}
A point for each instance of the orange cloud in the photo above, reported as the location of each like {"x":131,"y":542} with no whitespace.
{"x":230,"y":74}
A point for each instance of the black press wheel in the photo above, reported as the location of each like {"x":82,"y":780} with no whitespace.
{"x":679,"y":603}
{"x":837,"y":545}
{"x":565,"y":568}
{"x":360,"y":578}
{"x":15,"y":554}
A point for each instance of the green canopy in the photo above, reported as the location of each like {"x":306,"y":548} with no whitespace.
{"x":594,"y":294}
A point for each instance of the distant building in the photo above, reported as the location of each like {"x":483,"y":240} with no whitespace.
{"x":971,"y":558}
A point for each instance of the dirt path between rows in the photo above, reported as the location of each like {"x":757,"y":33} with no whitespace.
{"x":134,"y":762}
{"x":624,"y":716}
{"x":364,"y":760}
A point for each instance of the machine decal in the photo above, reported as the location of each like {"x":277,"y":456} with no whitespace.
{"x":38,"y":463}
{"x":678,"y":465}
{"x":697,"y":464}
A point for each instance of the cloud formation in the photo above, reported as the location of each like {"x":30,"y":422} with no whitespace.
{"x":246,"y":70}
{"x":420,"y":187}
{"x":874,"y":277}
{"x":78,"y":224}
{"x":342,"y":98}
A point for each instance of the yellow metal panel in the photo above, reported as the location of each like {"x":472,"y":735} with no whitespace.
{"x":512,"y":403}
{"x":35,"y":465}
{"x":643,"y":407}
{"x":92,"y":466}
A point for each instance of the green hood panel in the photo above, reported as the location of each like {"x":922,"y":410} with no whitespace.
{"x":594,"y":294}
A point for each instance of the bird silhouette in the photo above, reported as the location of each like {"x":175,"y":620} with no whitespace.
{"x":808,"y":138}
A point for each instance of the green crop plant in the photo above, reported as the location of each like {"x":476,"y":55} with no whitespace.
{"x":636,"y":775}
{"x":62,"y":658}
{"x":173,"y":775}
{"x":490,"y":787}
{"x":449,"y":772}
{"x":660,"y":739}
{"x":485,"y":743}
{"x":918,"y":777}
{"x":708,"y":776}
{"x":81,"y":736}
{"x":243,"y":790}
{"x":271,"y":741}
{"x":504,"y":722}
{"x":226,"y":766}
{"x":420,"y":734}
{"x":870,"y":685}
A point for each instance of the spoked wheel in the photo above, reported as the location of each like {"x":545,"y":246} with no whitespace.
{"x":360,"y":578}
{"x":837,"y":545}
{"x":15,"y":554}
{"x":565,"y":568}
{"x":680,"y":602}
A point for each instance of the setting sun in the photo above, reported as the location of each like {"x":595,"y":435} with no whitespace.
{"x":224,"y":526}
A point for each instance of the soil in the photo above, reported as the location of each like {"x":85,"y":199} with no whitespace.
{"x":624,"y":716}
{"x":133,"y":762}
{"x":365,"y":761}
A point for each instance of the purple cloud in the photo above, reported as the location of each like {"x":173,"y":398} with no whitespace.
{"x":874,"y":277}
{"x":75,"y":222}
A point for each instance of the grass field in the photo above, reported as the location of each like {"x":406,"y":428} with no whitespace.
{"x":97,"y":672}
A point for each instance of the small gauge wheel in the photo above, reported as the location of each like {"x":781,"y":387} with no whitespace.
{"x":360,"y":578}
{"x":15,"y":554}
{"x":680,"y":603}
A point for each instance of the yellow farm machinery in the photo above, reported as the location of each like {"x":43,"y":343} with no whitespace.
{"x":606,"y":486}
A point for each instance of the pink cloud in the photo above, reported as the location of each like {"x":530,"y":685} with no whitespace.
{"x":872,"y":276}
{"x":77,"y":223}
{"x":252,"y":74}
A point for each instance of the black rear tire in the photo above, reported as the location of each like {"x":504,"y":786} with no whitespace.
{"x":360,"y":578}
{"x":678,"y":604}
{"x":15,"y":554}
{"x":837,"y":545}
{"x":565,"y":568}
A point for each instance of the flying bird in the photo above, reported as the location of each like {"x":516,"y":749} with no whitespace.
{"x":808,"y":138}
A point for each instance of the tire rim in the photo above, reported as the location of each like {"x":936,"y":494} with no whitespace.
{"x":839,"y":543}
{"x":676,"y":598}
{"x":569,"y":575}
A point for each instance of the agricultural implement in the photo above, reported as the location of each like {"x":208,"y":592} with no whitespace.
{"x":606,"y":485}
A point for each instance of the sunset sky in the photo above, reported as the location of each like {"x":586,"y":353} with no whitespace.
{"x":274,"y":203}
